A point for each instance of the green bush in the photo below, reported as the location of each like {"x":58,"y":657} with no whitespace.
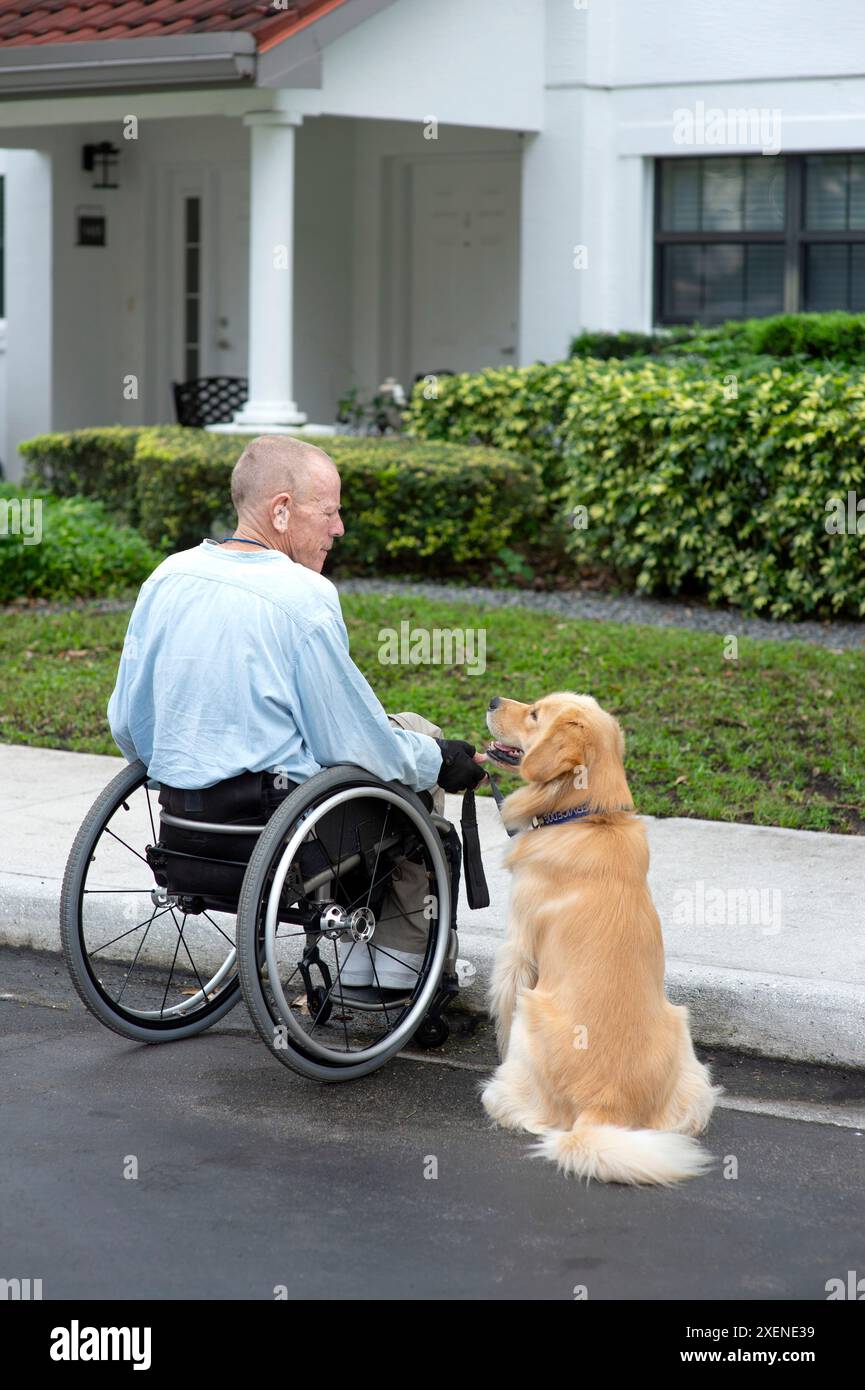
{"x":96,"y":463}
{"x":519,"y":409}
{"x":836,"y":337}
{"x":409,"y":505}
{"x":691,"y":485}
{"x":831,"y":337}
{"x":696,"y":481}
{"x":81,"y":552}
{"x":604,"y":346}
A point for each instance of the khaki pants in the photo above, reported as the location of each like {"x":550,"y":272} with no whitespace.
{"x":404,"y":926}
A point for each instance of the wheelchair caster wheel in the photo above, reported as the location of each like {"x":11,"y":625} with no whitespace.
{"x":320,"y":1007}
{"x":433,"y":1032}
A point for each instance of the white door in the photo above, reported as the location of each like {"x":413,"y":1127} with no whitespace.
{"x":203,"y":274}
{"x":463,"y":263}
{"x":230,"y":301}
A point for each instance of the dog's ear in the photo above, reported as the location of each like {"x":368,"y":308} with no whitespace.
{"x":562,"y":749}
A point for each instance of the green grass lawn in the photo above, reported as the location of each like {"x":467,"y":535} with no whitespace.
{"x":774,"y":738}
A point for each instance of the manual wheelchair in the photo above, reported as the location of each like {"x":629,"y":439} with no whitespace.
{"x":167,"y":921}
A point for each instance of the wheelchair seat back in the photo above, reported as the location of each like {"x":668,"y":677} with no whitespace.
{"x":211,"y":865}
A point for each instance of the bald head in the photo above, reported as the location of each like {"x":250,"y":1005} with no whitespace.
{"x":286,"y":494}
{"x":275,"y":463}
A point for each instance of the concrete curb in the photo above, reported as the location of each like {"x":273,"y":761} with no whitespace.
{"x":790,"y":985}
{"x":764,"y":1015}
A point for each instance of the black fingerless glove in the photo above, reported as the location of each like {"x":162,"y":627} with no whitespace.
{"x":459,"y":771}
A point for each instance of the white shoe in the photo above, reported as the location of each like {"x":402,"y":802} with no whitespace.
{"x":355,"y":965}
{"x":396,"y":969}
{"x":466,"y":973}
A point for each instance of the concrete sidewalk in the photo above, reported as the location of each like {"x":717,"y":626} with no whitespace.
{"x":764,"y":929}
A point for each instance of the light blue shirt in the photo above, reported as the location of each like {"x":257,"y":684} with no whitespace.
{"x":239,"y":662}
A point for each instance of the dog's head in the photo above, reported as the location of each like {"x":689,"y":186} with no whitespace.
{"x":555,"y":737}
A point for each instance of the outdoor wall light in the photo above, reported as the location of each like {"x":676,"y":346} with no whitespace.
{"x":100,"y":158}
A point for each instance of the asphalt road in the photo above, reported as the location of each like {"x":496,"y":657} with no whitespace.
{"x":250,"y":1178}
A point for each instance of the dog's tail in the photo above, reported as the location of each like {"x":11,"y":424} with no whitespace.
{"x":612,"y":1154}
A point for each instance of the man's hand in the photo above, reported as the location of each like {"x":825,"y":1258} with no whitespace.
{"x":459,"y":770}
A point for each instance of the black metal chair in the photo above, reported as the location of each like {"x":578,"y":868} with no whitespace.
{"x":209,"y":400}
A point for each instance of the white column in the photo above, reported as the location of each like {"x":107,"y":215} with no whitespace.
{"x":271,"y":408}
{"x":30,"y":269}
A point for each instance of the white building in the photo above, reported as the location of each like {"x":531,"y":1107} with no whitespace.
{"x":321,"y":195}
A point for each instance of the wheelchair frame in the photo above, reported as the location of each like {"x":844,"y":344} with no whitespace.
{"x":252,"y":967}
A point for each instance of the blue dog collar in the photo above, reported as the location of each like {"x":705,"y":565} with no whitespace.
{"x":559,"y":817}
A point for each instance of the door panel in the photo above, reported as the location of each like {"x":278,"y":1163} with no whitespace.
{"x":464,"y":264}
{"x":202,"y":278}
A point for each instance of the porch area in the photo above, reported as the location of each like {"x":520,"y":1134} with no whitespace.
{"x":314,"y":234}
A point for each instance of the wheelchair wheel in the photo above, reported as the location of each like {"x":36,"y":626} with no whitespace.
{"x":147,"y":964}
{"x":323,"y":872}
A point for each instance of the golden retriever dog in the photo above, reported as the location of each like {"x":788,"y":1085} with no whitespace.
{"x":594,"y":1058}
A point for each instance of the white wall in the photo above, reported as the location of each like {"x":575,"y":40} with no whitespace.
{"x":28,"y":301}
{"x":326,"y":237}
{"x":468,"y":62}
{"x":373,"y":235}
{"x":615,"y":74}
{"x":4,"y":455}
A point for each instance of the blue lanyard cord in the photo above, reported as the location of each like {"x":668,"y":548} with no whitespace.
{"x":245,"y":540}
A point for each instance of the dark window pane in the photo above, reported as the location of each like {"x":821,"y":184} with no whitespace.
{"x":765,"y":194}
{"x":193,"y":206}
{"x":826,"y":277}
{"x":764,"y":281}
{"x":718,"y":281}
{"x":191,"y":359}
{"x":856,"y":199}
{"x":191,"y":319}
{"x":680,"y":195}
{"x":724,"y":282}
{"x":723,"y":195}
{"x":826,"y":192}
{"x":857,"y":280}
{"x":192,"y":257}
{"x":682,"y":280}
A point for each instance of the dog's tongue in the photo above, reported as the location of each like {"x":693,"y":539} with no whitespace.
{"x":505,"y":753}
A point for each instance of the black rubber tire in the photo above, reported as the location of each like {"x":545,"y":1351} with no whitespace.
{"x":433,"y":1032}
{"x":270,"y":843}
{"x":109,"y":799}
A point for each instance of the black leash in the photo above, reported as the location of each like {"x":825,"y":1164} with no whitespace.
{"x":499,"y":799}
{"x":477,"y":892}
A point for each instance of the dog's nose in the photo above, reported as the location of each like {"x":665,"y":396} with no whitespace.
{"x":494,"y":703}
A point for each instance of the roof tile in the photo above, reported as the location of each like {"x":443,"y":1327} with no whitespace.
{"x":26,"y":22}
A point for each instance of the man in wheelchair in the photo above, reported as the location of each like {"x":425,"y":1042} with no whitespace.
{"x":236,"y":684}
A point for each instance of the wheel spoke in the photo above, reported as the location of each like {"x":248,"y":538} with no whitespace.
{"x":135,"y":959}
{"x":398,"y":960}
{"x":146,"y":923}
{"x":173,"y":962}
{"x":109,"y":831}
{"x":189,"y":953}
{"x":150,"y":813}
{"x":218,"y":928}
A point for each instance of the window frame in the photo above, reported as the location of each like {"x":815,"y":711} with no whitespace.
{"x":794,"y":238}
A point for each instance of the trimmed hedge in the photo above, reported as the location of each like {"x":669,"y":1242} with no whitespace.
{"x":81,"y":553}
{"x":513,"y":408}
{"x":688,"y":487}
{"x":831,"y":337}
{"x":97,"y":463}
{"x":409,"y":505}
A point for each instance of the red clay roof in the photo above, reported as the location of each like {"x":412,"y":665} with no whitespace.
{"x":24,"y":22}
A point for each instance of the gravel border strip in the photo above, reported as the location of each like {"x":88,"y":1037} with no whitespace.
{"x":568,"y":603}
{"x":625,"y":608}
